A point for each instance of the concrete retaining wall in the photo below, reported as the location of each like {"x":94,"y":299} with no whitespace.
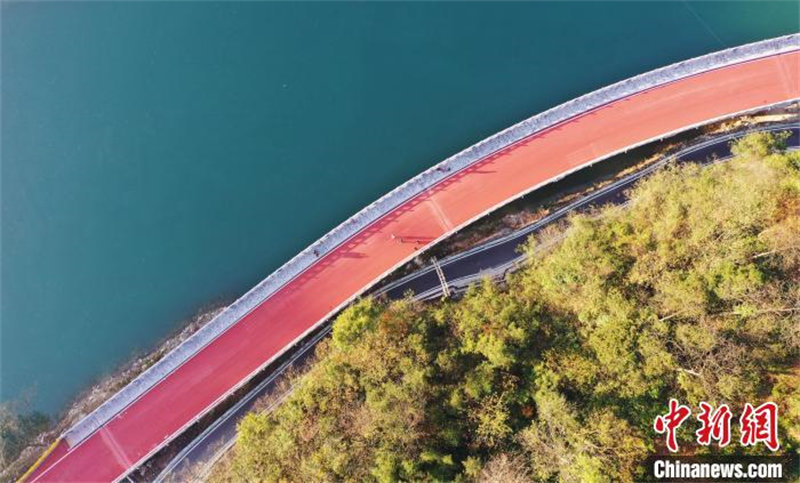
{"x":403,"y":193}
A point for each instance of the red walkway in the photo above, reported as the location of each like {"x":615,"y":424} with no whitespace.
{"x":191,"y":389}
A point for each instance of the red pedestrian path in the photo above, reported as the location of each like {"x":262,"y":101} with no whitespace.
{"x":197,"y":385}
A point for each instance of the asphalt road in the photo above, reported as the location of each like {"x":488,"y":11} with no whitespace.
{"x":492,"y":259}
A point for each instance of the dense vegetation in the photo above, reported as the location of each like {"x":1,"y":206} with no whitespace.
{"x":691,"y":292}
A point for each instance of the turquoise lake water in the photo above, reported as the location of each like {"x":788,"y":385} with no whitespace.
{"x":160,"y":156}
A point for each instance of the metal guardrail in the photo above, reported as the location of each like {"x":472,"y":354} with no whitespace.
{"x":408,"y":190}
{"x":307,"y":346}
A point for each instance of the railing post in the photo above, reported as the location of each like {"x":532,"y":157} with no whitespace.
{"x":442,"y":280}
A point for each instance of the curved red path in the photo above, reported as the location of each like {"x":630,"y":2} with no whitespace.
{"x":192,"y":388}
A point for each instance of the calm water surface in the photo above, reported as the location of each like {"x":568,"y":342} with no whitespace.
{"x":157,"y":157}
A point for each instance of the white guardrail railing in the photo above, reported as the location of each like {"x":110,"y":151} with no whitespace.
{"x":411,"y":188}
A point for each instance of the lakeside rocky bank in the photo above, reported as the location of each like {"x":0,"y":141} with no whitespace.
{"x":14,"y":416}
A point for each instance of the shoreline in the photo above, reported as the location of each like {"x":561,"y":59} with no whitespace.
{"x":106,"y":385}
